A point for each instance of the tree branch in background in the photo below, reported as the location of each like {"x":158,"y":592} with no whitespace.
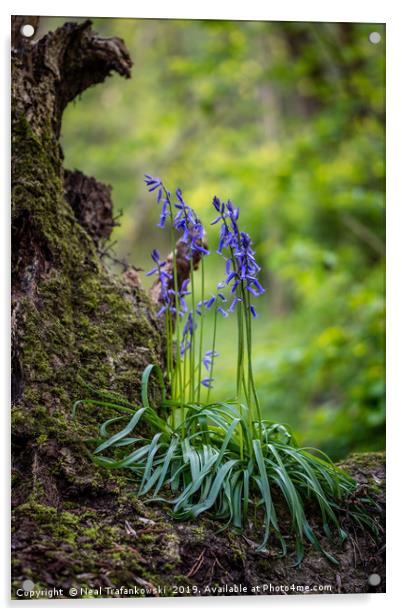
{"x":363,"y":233}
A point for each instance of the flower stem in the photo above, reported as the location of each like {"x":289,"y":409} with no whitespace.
{"x":247,"y":316}
{"x":201,"y":333}
{"x":177,"y":370}
{"x":213,"y":350}
{"x":193,"y":335}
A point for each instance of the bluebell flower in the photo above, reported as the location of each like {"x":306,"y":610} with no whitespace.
{"x":152,"y":182}
{"x":208,"y":303}
{"x":184,"y":347}
{"x":223,"y":312}
{"x":161,"y":311}
{"x":208,"y":358}
{"x":207,"y":382}
{"x":198,"y":308}
{"x":235,"y":285}
{"x":182,"y":294}
{"x":216,"y":202}
{"x":241,"y":267}
{"x":187,"y":222}
{"x":188,"y":331}
{"x":155,"y":256}
{"x":197,"y":234}
{"x":179,"y":195}
{"x":165,"y":213}
{"x":165,"y":295}
{"x":193,"y":234}
{"x":189,"y":325}
{"x":234,"y":304}
{"x":224,"y":238}
{"x":252,"y":291}
{"x":230,"y":277}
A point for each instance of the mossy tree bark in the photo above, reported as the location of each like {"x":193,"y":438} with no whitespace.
{"x":74,"y":323}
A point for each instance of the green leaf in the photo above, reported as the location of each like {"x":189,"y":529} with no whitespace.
{"x":145,"y":383}
{"x":116,"y":437}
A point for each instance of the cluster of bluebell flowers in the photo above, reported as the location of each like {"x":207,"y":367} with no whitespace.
{"x":241,"y":266}
{"x":240,"y":282}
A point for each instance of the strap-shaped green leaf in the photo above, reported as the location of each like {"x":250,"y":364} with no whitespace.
{"x":145,"y":383}
{"x":119,"y":435}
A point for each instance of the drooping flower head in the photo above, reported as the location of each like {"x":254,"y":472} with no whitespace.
{"x":208,"y":358}
{"x":170,"y":300}
{"x":153,"y":184}
{"x":155,"y":256}
{"x":188,"y":331}
{"x":193,"y":239}
{"x":241,"y":266}
{"x":185,"y":221}
{"x":207,"y":382}
{"x":193,"y":231}
{"x":216,"y":300}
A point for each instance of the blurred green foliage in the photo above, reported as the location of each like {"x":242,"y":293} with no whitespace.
{"x":286,"y":119}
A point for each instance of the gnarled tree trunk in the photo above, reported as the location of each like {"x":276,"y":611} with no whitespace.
{"x":74,"y":524}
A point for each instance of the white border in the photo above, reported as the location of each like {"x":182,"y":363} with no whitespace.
{"x":286,"y":10}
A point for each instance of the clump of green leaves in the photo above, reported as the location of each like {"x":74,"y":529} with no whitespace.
{"x":215,"y":462}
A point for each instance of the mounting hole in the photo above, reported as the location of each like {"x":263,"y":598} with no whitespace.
{"x":28,"y":585}
{"x":27,"y":30}
{"x":374,"y":37}
{"x":374,"y":579}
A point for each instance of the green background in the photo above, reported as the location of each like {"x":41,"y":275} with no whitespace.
{"x":287,"y":120}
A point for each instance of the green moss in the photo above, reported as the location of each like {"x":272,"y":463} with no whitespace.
{"x":374,"y":488}
{"x":147,"y":538}
{"x":199,"y":532}
{"x":62,"y":525}
{"x":366,"y":464}
{"x":90,"y":542}
{"x":237,"y":552}
{"x":79,"y":325}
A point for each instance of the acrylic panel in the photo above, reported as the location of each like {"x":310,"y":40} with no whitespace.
{"x":198,"y":252}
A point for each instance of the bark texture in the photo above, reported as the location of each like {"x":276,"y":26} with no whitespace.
{"x":74,"y":323}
